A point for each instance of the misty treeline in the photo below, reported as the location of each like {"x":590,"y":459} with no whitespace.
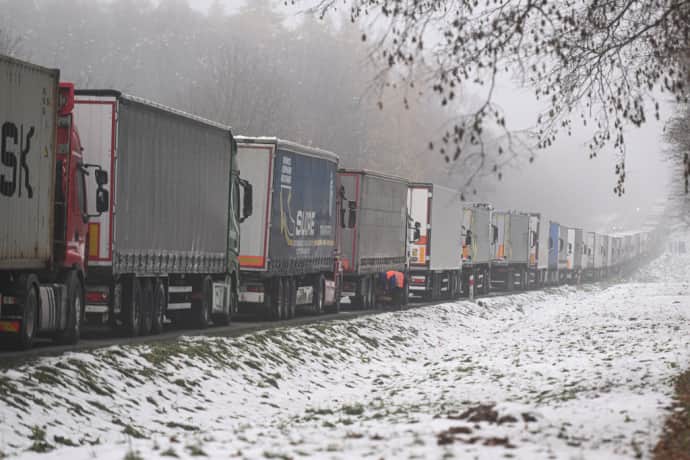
{"x":305,"y":80}
{"x":604,"y":65}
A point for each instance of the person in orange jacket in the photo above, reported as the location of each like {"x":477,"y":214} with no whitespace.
{"x":395,"y":285}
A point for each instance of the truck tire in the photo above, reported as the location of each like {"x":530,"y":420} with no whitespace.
{"x":276,"y":300}
{"x":372,"y":293}
{"x":487,"y":281}
{"x":317,"y":302}
{"x":160,"y":304}
{"x":292,"y":298}
{"x":146,"y":307}
{"x":284,"y":305}
{"x":201,"y":309}
{"x":28,"y":292}
{"x":132,"y":308}
{"x":406,"y":292}
{"x":435,"y":286}
{"x":509,"y":280}
{"x":75,"y":309}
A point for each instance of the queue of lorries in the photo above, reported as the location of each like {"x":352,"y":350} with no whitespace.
{"x":184,"y":222}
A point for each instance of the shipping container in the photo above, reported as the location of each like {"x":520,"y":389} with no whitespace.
{"x":476,"y":246}
{"x":169,"y":246}
{"x":436,"y":215}
{"x":43,"y":204}
{"x":288,"y":253}
{"x":28,"y":115}
{"x":373,"y":233}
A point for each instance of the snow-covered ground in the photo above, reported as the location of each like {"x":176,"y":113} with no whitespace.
{"x":562,"y":373}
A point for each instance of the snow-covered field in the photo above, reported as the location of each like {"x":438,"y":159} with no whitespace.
{"x":562,"y":373}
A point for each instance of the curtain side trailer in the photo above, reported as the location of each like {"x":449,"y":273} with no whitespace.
{"x":372,"y":228}
{"x":168,"y":248}
{"x":289,"y":254}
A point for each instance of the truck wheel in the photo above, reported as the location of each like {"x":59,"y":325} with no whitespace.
{"x":292,"y":297}
{"x":317,"y":303}
{"x":406,"y":292}
{"x":27,"y":287}
{"x":201,"y":309}
{"x":160,"y":304}
{"x":372,"y":293}
{"x":146,"y":307}
{"x":132,"y":309}
{"x":75,"y":308}
{"x":276,"y":304}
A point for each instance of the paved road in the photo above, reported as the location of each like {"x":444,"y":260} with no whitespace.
{"x":102,"y":337}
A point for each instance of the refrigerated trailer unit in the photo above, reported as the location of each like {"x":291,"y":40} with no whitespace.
{"x":372,"y":233}
{"x":476,"y":247}
{"x":288,"y":254}
{"x":169,"y":245}
{"x":435,"y":241}
{"x":43,"y":204}
{"x":515,"y":245}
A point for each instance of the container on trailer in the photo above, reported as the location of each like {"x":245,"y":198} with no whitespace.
{"x":28,"y":108}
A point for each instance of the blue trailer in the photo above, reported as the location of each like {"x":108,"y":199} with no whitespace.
{"x":288,"y":250}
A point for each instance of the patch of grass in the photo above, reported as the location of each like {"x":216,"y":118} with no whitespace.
{"x":133,"y":455}
{"x":183,"y":426}
{"x":675,"y":439}
{"x":133,"y":431}
{"x":195,"y":450}
{"x":39,"y":444}
{"x":169,"y":452}
{"x":354,"y":409}
{"x":64,"y":441}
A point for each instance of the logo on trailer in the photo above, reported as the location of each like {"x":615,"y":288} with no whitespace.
{"x":13,"y":144}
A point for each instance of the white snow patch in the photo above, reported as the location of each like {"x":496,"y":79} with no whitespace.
{"x":564,"y":373}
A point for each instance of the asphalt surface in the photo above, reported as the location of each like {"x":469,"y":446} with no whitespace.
{"x":92,"y":338}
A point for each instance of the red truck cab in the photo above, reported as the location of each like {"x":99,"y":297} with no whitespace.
{"x":43,"y":247}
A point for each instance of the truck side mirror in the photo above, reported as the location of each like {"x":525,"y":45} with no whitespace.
{"x":342,"y":217}
{"x":495,"y":237}
{"x":468,"y":238}
{"x":352,"y":219}
{"x":102,"y":200}
{"x":247,"y":200}
{"x":101,"y":177}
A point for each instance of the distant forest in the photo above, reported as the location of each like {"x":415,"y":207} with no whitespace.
{"x":302,"y":79}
